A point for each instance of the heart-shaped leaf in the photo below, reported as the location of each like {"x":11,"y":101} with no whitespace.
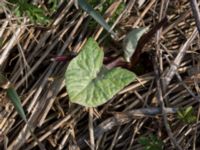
{"x":91,"y":84}
{"x":131,"y":40}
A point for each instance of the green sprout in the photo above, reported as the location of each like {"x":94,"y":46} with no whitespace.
{"x":187,"y":115}
{"x":151,"y":142}
{"x":34,"y":13}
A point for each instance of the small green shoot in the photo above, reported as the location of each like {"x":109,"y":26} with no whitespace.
{"x":89,"y":82}
{"x":187,"y":115}
{"x":151,"y":143}
{"x":35,"y":14}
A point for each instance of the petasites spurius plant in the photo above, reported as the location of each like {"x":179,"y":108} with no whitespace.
{"x":89,"y":82}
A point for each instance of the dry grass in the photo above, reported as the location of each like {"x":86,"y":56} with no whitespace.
{"x":172,"y":80}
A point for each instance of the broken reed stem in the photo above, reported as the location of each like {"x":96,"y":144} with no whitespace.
{"x":174,"y":66}
{"x":196,"y":13}
{"x":162,"y":105}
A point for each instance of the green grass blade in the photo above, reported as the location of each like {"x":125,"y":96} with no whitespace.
{"x":95,"y":15}
{"x":15,"y":100}
{"x":12,"y":94}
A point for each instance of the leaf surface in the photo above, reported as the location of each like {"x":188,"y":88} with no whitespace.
{"x":91,"y":84}
{"x":131,"y":40}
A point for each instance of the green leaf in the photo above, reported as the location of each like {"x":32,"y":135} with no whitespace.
{"x":36,"y":14}
{"x":131,"y":40}
{"x":151,"y":142}
{"x":14,"y":98}
{"x":95,"y":15}
{"x":91,"y":84}
{"x":12,"y":94}
{"x":187,"y":115}
{"x":143,"y":140}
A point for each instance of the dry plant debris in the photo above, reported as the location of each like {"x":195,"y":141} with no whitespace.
{"x":168,"y":78}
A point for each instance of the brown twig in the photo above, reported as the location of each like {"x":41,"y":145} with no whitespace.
{"x":196,"y":13}
{"x":121,"y":118}
{"x":162,"y":105}
{"x":172,"y":70}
